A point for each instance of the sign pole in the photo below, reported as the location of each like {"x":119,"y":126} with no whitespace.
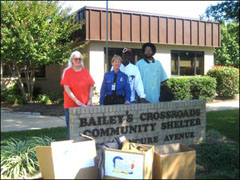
{"x":106,"y":36}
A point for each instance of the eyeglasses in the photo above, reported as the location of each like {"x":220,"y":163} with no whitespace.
{"x":75,"y":59}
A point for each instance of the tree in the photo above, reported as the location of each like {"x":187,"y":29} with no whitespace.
{"x":228,"y":54}
{"x":35,"y":33}
{"x":226,"y":10}
{"x":226,"y":13}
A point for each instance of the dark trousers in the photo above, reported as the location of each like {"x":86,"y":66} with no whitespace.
{"x":66,"y":111}
{"x":111,"y":99}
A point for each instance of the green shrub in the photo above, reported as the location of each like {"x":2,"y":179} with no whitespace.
{"x":211,"y":133}
{"x":192,"y":87}
{"x":56,"y":97}
{"x":180,"y":87}
{"x":10,"y":91}
{"x":36,"y":91}
{"x":218,"y":156}
{"x":51,"y":97}
{"x":12,"y":95}
{"x":227,"y":80}
{"x":43,"y":98}
{"x":18,"y":157}
{"x":13,"y":99}
{"x":202,"y":87}
{"x":60,"y":100}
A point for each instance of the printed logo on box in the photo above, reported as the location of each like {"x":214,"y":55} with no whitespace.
{"x":123,"y":166}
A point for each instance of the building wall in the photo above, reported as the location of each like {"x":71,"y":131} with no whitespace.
{"x":51,"y":82}
{"x":140,"y":27}
{"x":94,"y":61}
{"x":85,"y":53}
{"x":97,"y":62}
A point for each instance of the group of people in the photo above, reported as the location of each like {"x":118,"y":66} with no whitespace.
{"x":126,"y":83}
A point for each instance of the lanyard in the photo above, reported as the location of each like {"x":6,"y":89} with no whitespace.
{"x":114,"y":84}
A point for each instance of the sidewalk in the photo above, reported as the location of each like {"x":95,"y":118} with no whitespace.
{"x":222,"y":106}
{"x":17,"y":121}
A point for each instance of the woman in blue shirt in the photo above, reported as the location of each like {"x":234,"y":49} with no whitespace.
{"x":115,"y":86}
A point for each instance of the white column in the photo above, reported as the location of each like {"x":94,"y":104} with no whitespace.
{"x":164,"y":56}
{"x":96,"y":64}
{"x":208,"y":60}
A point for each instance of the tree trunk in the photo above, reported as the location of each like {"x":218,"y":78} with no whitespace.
{"x":32,"y":82}
{"x":20,"y":84}
{"x":27,"y":79}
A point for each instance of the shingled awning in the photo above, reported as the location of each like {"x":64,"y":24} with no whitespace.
{"x":140,"y":27}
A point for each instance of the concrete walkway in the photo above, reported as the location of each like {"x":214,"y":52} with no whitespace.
{"x":17,"y":121}
{"x":222,"y":106}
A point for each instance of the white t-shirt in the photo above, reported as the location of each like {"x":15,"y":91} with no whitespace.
{"x":135,"y":80}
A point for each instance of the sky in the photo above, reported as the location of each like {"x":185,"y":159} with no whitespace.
{"x":190,"y":9}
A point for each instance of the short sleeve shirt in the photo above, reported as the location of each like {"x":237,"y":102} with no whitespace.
{"x":80,"y":83}
{"x":152,"y":74}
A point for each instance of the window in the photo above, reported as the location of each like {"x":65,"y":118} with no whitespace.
{"x":136,"y":55}
{"x":80,"y":15}
{"x":187,"y":63}
{"x":39,"y":73}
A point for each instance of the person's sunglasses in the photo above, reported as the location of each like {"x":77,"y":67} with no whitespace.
{"x":77,"y":59}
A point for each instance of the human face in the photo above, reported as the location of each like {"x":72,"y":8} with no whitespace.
{"x":126,"y":58}
{"x":116,"y":64}
{"x":148,"y":52}
{"x":77,"y":61}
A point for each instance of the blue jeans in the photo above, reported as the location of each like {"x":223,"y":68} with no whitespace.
{"x":66,"y":111}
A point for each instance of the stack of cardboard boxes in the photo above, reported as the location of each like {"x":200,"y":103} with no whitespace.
{"x":78,"y":160}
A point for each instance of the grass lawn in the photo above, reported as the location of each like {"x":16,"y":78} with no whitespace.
{"x":226,"y":122}
{"x":220,"y":159}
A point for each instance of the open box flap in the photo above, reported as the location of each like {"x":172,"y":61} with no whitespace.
{"x":44,"y":156}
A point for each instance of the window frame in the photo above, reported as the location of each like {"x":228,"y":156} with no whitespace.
{"x":178,"y":61}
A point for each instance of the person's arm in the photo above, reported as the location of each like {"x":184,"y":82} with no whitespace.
{"x":163,"y":76}
{"x":90,"y":96}
{"x":127,"y":91}
{"x":138,"y":85}
{"x":72,"y":96}
{"x":102,"y":92}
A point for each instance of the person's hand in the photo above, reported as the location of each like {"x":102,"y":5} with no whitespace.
{"x":89,"y":102}
{"x":80,"y":104}
{"x":143,"y":100}
{"x":164,"y":83}
{"x":127,"y":102}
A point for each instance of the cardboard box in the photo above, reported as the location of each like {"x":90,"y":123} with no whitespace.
{"x":68,"y":159}
{"x":174,"y":161}
{"x":127,"y":164}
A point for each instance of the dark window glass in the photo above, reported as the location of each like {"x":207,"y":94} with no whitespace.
{"x":80,"y":15}
{"x":136,"y":55}
{"x":174,"y":63}
{"x":187,"y":63}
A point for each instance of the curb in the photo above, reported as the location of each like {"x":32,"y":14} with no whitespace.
{"x":26,"y":113}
